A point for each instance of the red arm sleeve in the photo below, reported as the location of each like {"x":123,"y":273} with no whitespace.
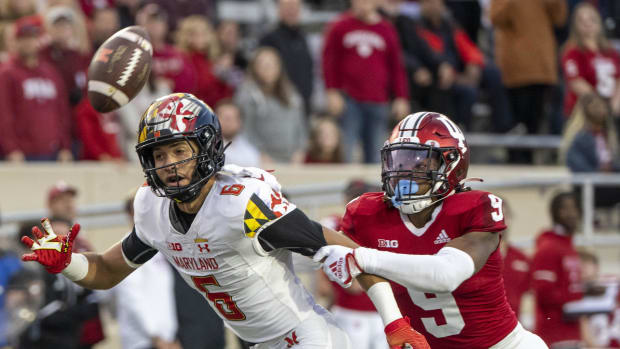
{"x":486,"y":214}
{"x":468,"y":51}
{"x":8,"y":140}
{"x":398,"y":77}
{"x":331,"y":56}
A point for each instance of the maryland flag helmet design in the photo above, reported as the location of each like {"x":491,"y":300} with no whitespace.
{"x":180,"y":116}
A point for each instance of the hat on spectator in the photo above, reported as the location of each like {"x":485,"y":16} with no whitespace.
{"x":59,"y":188}
{"x":58,"y":13}
{"x":28,"y":26}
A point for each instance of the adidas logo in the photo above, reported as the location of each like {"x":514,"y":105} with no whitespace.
{"x":442,"y":238}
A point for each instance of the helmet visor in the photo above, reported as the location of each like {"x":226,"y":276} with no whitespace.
{"x":410,"y":167}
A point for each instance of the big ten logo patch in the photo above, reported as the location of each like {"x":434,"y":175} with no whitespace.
{"x":175,"y":246}
{"x":388,"y":243}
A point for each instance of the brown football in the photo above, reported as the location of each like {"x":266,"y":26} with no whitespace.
{"x":119,"y":69}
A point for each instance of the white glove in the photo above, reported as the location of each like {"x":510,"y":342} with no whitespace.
{"x":339,"y":264}
{"x":253,"y":172}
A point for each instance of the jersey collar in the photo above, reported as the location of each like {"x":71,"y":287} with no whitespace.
{"x":420,"y":231}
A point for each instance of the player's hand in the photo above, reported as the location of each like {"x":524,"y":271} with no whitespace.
{"x":400,"y":335}
{"x":50,"y":250}
{"x":338,"y":264}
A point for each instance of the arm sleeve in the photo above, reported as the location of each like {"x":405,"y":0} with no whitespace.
{"x":442,"y":272}
{"x":293,"y":231}
{"x":273,"y":222}
{"x":486,"y":215}
{"x":135,"y":251}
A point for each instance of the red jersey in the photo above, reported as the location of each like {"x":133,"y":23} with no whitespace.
{"x":600,"y":69}
{"x":516,"y":277}
{"x":556,"y":280}
{"x":476,"y":314}
{"x":171,"y":64}
{"x":364,"y":60}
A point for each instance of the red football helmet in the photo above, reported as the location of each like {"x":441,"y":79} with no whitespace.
{"x":424,"y":147}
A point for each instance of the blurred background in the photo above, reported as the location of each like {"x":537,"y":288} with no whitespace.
{"x":310,"y":89}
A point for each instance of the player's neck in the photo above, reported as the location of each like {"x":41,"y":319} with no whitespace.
{"x":194,"y":206}
{"x":420,"y":219}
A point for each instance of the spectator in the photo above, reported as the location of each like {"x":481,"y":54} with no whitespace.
{"x":61,"y":201}
{"x":589,"y":62}
{"x":517,"y":274}
{"x":556,"y":273}
{"x":352,"y":308}
{"x":599,"y":329}
{"x":64,"y":50}
{"x":239,"y":150}
{"x":272,"y":110}
{"x":526,"y":53}
{"x":130,"y":114}
{"x":33,"y":97}
{"x":232,"y":62}
{"x":447,"y":69}
{"x":99,"y":133}
{"x":593,"y":146}
{"x":145,"y":304}
{"x":197,"y":40}
{"x":168,"y":62}
{"x":325,"y":144}
{"x":363,"y":70}
{"x":105,"y":22}
{"x":290,"y":41}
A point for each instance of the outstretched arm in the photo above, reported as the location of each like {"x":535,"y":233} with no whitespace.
{"x":89,"y":270}
{"x":444,"y":271}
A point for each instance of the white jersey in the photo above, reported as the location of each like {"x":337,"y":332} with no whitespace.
{"x":256,"y":294}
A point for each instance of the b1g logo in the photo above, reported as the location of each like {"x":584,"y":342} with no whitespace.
{"x":388,"y":243}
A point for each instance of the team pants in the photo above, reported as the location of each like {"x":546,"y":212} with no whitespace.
{"x":319,"y":331}
{"x":520,"y":338}
{"x":365,"y":328}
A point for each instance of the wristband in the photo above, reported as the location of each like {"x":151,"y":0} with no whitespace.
{"x":77,"y":268}
{"x":382,"y":297}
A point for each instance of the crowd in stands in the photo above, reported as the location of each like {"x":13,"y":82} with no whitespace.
{"x":525,"y":62}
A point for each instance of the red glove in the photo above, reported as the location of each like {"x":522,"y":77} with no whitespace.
{"x":50,"y":250}
{"x":400,"y":335}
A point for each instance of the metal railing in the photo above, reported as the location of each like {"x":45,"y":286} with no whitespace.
{"x":312,"y":197}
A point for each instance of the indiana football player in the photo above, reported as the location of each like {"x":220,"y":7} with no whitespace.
{"x":227,"y":230}
{"x":435,"y":239}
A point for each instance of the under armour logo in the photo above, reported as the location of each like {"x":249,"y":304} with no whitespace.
{"x":204,"y":247}
{"x":291,"y":341}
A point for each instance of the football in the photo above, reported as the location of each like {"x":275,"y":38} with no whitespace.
{"x":119,"y":69}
